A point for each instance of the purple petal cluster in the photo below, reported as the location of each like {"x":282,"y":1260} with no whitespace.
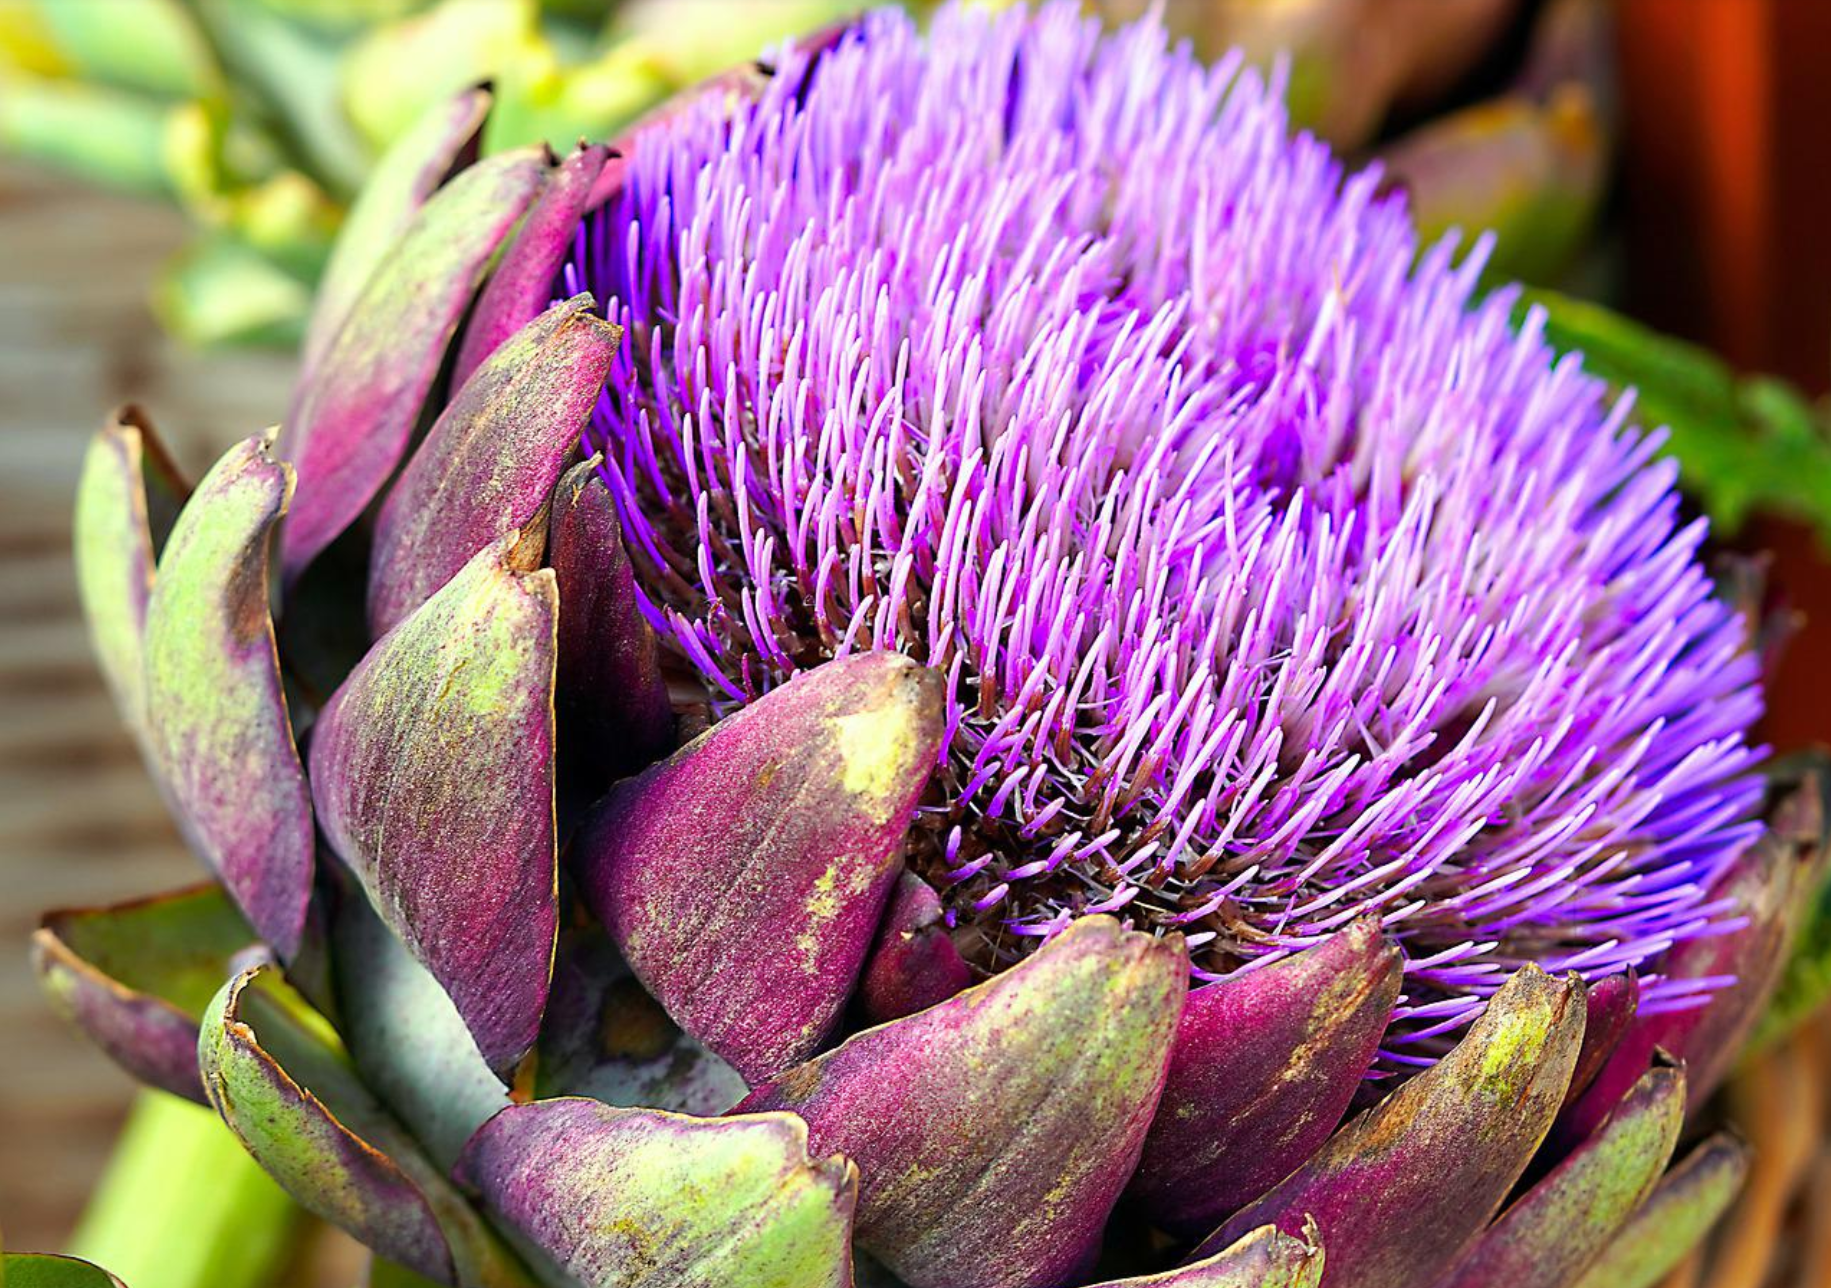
{"x":1276,"y":577}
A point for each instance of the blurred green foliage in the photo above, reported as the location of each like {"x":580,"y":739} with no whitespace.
{"x":261,"y":117}
{"x":1745,"y":444}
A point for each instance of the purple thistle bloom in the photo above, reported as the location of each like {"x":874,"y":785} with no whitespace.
{"x":1276,"y":578}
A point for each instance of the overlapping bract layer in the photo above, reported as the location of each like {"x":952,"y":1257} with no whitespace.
{"x":1276,"y":582}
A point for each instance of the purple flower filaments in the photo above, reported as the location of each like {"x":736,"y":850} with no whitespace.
{"x":1276,"y":578}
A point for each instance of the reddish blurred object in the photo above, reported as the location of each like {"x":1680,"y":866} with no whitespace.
{"x":1726,"y":177}
{"x":1726,"y":203}
{"x":1799,"y":700}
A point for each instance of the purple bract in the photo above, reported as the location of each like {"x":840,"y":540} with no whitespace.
{"x":1276,"y":577}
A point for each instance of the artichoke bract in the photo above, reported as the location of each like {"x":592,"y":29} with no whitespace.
{"x":926,"y":671}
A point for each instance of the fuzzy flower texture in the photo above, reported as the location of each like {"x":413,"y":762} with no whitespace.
{"x":1275,"y":577}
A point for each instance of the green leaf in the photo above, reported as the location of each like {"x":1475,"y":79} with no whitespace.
{"x":106,"y":136}
{"x":218,"y":291}
{"x":285,"y":72}
{"x":1743,"y":444}
{"x":39,"y":1270}
{"x":543,"y":100}
{"x":451,"y":46}
{"x":225,"y":184}
{"x":689,"y":43}
{"x":1674,"y":1219}
{"x":147,"y":45}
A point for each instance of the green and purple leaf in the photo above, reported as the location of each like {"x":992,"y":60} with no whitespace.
{"x":1400,"y":1192}
{"x":994,"y":1132}
{"x":522,"y":284}
{"x":646,"y":1199}
{"x":136,"y":978}
{"x":354,"y":411}
{"x":488,"y":464}
{"x":127,"y":498}
{"x":1547,"y":1237}
{"x":397,"y":187}
{"x":432,"y":769}
{"x":744,"y":878}
{"x":218,"y":733}
{"x":1264,"y":1068}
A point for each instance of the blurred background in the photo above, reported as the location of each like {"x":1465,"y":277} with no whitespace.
{"x":172,"y":173}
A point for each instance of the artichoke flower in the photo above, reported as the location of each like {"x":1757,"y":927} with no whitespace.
{"x":926,"y":670}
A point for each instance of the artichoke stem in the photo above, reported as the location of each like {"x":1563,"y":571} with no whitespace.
{"x":182,"y":1205}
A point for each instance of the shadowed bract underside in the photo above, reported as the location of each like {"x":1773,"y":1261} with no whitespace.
{"x":1274,"y":576}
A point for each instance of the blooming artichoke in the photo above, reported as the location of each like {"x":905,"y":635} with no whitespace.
{"x":925,"y":671}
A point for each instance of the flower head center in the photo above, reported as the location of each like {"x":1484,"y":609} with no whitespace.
{"x":1275,"y":582}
